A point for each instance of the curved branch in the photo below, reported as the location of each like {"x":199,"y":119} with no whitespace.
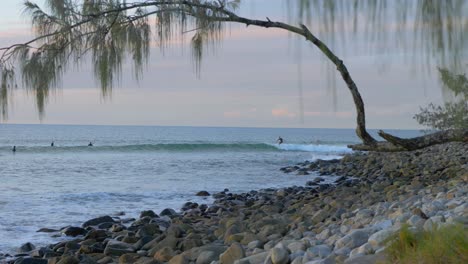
{"x":427,"y":140}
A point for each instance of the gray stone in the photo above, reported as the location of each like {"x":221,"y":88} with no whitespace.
{"x":233,"y":253}
{"x":416,"y":221}
{"x":255,"y":244}
{"x":296,"y":246}
{"x":321,"y":251}
{"x":354,"y":239}
{"x":279,"y":255}
{"x":168,"y":212}
{"x":378,"y":239}
{"x":368,"y":259}
{"x":26,"y":247}
{"x":74,"y":231}
{"x":320,"y":216}
{"x":206,"y":257}
{"x":253,"y":259}
{"x":117,"y":248}
{"x":98,"y":220}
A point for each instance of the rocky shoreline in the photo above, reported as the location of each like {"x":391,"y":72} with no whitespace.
{"x":345,"y":222}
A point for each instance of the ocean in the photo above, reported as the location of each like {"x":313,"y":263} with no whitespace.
{"x":134,"y":168}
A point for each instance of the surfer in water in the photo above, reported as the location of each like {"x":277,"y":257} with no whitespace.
{"x":52,"y":144}
{"x":90,"y":144}
{"x":13,"y":149}
{"x":279,"y":140}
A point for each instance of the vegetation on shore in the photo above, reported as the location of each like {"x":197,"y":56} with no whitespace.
{"x":447,"y":244}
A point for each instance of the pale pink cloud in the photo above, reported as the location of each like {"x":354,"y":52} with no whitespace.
{"x":282,"y":112}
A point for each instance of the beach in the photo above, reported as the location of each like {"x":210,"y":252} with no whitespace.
{"x":347,"y":220}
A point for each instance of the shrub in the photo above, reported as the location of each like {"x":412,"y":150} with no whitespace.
{"x":444,"y":245}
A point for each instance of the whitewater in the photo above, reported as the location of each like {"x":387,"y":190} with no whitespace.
{"x":135,"y":168}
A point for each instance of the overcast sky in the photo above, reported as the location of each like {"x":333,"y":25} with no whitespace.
{"x":251,"y":81}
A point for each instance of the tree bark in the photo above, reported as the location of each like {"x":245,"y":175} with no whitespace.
{"x":440,"y":137}
{"x":394,"y":143}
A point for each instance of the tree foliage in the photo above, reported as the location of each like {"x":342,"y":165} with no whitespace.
{"x":451,"y":115}
{"x":107,"y":32}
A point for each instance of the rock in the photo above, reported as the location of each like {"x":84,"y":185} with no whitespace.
{"x":149,"y":213}
{"x":206,"y":257}
{"x":148,"y":230}
{"x":297,"y":246}
{"x":233,"y":253}
{"x":129,"y":258}
{"x":354,"y":239}
{"x":117,"y":248}
{"x":378,"y":239}
{"x":321,"y":251}
{"x":46,"y":230}
{"x":368,"y":259}
{"x":420,"y":213}
{"x":279,"y":255}
{"x":164,"y":254}
{"x":255,"y":244}
{"x":416,"y":221}
{"x":98,"y":235}
{"x":26,"y":247}
{"x":179,"y":259}
{"x":253,"y":259}
{"x":98,"y":220}
{"x":174,"y":231}
{"x":202,"y":193}
{"x":69,"y":260}
{"x":74,"y":231}
{"x":169,"y":212}
{"x":320,"y":216}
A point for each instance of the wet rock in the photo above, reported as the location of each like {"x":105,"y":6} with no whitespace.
{"x":117,"y":248}
{"x":202,"y":193}
{"x":169,"y":212}
{"x":148,"y":213}
{"x":98,"y":220}
{"x":74,"y":231}
{"x":25,"y":248}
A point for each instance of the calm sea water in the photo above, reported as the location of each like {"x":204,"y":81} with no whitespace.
{"x":133,"y":168}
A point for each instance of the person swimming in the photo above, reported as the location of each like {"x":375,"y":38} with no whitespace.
{"x":13,"y":149}
{"x":90,"y":144}
{"x":279,"y":140}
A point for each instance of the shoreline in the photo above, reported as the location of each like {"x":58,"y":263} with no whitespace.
{"x":318,"y":223}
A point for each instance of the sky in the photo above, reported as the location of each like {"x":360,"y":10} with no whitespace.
{"x":252,"y":80}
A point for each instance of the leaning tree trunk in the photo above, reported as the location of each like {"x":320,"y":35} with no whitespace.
{"x":361,"y":131}
{"x":369,"y":143}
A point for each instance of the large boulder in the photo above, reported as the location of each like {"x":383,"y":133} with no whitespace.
{"x":233,"y":253}
{"x":26,"y":247}
{"x":117,"y":248}
{"x":279,"y":255}
{"x":354,"y":239}
{"x":98,"y":220}
{"x":74,"y":231}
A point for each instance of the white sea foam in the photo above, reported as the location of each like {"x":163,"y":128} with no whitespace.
{"x":314,"y":148}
